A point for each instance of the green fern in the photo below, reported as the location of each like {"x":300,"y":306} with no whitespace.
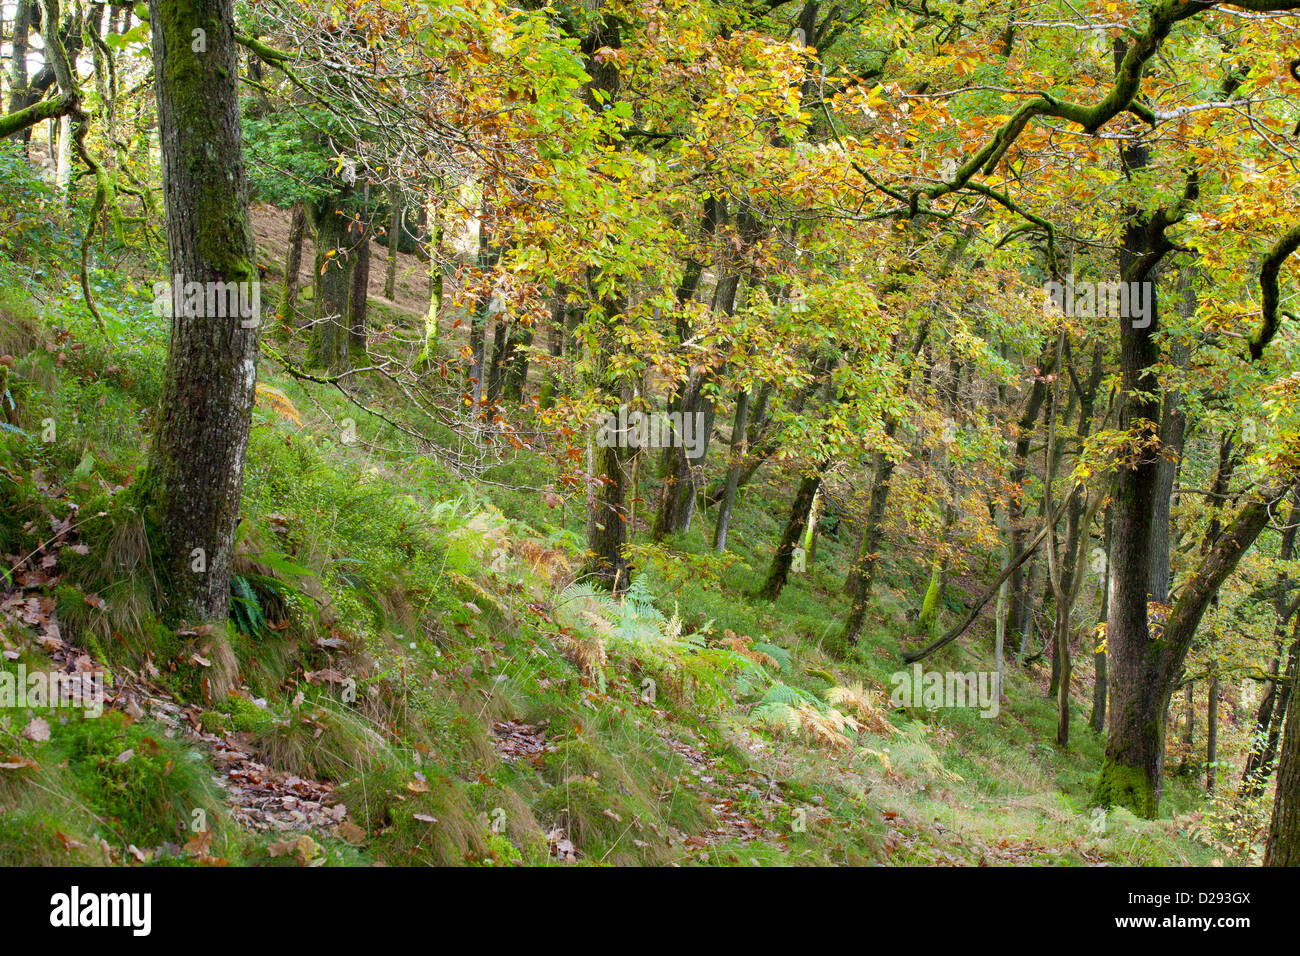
{"x":791,"y":697}
{"x":778,"y":654}
{"x":245,"y":610}
{"x":776,"y":716}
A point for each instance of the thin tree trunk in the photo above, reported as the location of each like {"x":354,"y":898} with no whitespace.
{"x":430,"y":214}
{"x":1098,"y":716}
{"x":1212,"y":735}
{"x":554,"y":343}
{"x":1283,"y":611}
{"x":397,"y":215}
{"x":487,"y":259}
{"x":1018,"y":626}
{"x":518,"y":340}
{"x":864,"y":566}
{"x":739,"y":446}
{"x":800,"y":508}
{"x":63,"y":166}
{"x":1285,"y":700}
{"x":359,"y":293}
{"x":293,"y":263}
{"x":496,"y":368}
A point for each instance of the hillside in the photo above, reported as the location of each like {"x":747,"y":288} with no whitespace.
{"x":411,"y":674}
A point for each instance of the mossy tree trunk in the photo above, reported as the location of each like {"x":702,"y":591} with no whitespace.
{"x":1097,"y":719}
{"x":779,"y":570}
{"x":863,"y":574}
{"x":515,"y":377}
{"x":26,"y":16}
{"x":607,"y":510}
{"x":554,"y":343}
{"x":1132,"y":774}
{"x":396,"y":216}
{"x":196,"y":462}
{"x":739,"y":430}
{"x":1283,"y":846}
{"x":928,"y":618}
{"x":293,"y":263}
{"x":333,"y":273}
{"x":1284,"y":610}
{"x":1212,"y":736}
{"x":359,"y":292}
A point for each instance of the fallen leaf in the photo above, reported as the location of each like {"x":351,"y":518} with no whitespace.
{"x":352,"y":833}
{"x":37,"y":730}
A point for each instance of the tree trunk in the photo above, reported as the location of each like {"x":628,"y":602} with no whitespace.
{"x":397,"y":215}
{"x":196,"y":463}
{"x":1132,"y":774}
{"x":476,"y":373}
{"x":1212,"y":735}
{"x":1018,"y":627}
{"x":429,"y":212}
{"x":359,"y":294}
{"x":606,"y":519}
{"x":1282,"y":611}
{"x":1189,"y":725}
{"x":554,"y":343}
{"x":1099,"y":686}
{"x":333,"y":275}
{"x":293,"y":264}
{"x":864,"y":567}
{"x":1098,"y":716}
{"x":496,"y":368}
{"x":1283,"y":846}
{"x":794,"y":526}
{"x":518,"y":340}
{"x":26,"y":18}
{"x":739,"y":445}
{"x":1285,"y":693}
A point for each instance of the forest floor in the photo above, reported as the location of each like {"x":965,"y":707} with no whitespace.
{"x":411,"y":675}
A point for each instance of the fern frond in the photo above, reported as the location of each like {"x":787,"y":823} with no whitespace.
{"x":778,"y":717}
{"x":278,"y":402}
{"x":859,"y":701}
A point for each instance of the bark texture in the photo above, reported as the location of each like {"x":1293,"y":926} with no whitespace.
{"x":196,"y":464}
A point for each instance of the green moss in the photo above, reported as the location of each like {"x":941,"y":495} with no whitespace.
{"x":1128,"y":787}
{"x":126,"y":782}
{"x":928,"y":619}
{"x":214,"y":722}
{"x":246,"y":716}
